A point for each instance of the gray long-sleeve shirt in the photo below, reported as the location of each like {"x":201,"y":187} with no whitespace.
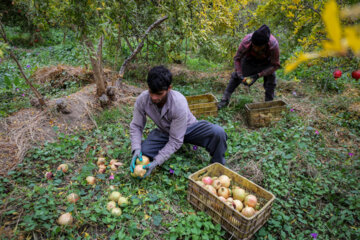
{"x":174,"y":118}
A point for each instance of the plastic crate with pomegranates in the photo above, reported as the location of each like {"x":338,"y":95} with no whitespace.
{"x":262,"y":114}
{"x":239,"y":205}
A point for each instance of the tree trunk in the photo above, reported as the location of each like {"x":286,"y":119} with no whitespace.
{"x":96,"y":65}
{"x":118,"y":46}
{"x":64,"y":37}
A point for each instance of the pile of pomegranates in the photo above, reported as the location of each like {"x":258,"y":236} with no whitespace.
{"x":115,"y":197}
{"x":234,"y":196}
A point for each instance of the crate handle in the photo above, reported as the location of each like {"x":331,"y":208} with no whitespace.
{"x":204,"y":174}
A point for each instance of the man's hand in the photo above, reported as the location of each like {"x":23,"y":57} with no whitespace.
{"x":149,"y":168}
{"x":137,"y":154}
{"x":248,"y":81}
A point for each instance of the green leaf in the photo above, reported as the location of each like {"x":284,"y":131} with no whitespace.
{"x":70,"y":208}
{"x":157,"y":220}
{"x":153,"y":197}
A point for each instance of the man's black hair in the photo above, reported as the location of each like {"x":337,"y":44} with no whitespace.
{"x":261,"y":36}
{"x":159,"y":78}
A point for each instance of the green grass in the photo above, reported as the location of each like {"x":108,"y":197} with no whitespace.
{"x":201,"y":64}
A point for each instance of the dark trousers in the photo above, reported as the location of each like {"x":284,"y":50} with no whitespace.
{"x":203,"y":133}
{"x":250,"y":68}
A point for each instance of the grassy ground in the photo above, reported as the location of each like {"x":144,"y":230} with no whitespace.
{"x":309,"y":161}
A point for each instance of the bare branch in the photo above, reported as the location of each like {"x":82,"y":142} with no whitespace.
{"x":138,"y":48}
{"x":313,"y":9}
{"x":129,"y":44}
{"x":12,"y":55}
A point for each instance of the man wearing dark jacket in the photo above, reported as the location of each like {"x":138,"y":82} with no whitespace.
{"x":257,"y":56}
{"x":175,"y":123}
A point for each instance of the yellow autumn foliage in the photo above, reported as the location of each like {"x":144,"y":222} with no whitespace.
{"x":341,"y":40}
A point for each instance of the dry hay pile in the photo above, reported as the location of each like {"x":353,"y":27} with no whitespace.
{"x":58,"y":75}
{"x":32,"y":126}
{"x":350,"y":91}
{"x":355,"y":109}
{"x":292,"y":87}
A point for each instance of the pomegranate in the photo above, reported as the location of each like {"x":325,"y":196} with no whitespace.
{"x":113,"y":167}
{"x":91,"y":180}
{"x":238,"y":205}
{"x":63,"y":167}
{"x":49,"y":175}
{"x":230,"y":199}
{"x":248,"y":211}
{"x":224,"y":192}
{"x":216,"y":184}
{"x":113,"y":161}
{"x":73,"y":197}
{"x":102,"y":166}
{"x":337,"y":74}
{"x":145,"y":160}
{"x":207,"y":180}
{"x":239,"y":194}
{"x":250,"y":201}
{"x":123,"y":201}
{"x":100,"y":161}
{"x":139,"y":171}
{"x":210,"y":189}
{"x":65,"y":219}
{"x":114,"y":196}
{"x":110,"y":205}
{"x":356,"y":74}
{"x":222,"y":198}
{"x":225,"y":181}
{"x":116,"y":211}
{"x":102,"y":170}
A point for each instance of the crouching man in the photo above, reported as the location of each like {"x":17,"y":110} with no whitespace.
{"x":175,"y":123}
{"x":257,"y":56}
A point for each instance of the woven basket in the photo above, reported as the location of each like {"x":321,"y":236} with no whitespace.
{"x":203,"y":105}
{"x":263,"y":113}
{"x":236,"y":224}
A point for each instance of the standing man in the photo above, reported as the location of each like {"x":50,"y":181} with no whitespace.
{"x":257,"y":56}
{"x":170,"y":112}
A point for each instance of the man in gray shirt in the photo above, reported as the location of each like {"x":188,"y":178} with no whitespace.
{"x":176,"y":124}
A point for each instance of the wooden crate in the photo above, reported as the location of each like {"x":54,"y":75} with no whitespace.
{"x":263,"y":113}
{"x":237,"y":225}
{"x":203,"y":105}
